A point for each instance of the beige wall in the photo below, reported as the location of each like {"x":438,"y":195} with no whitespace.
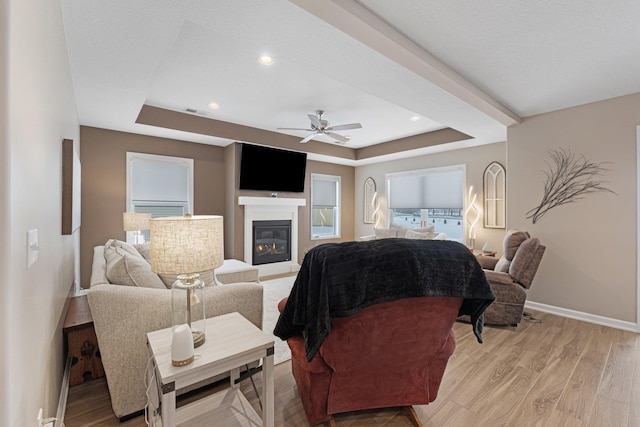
{"x":590,"y":262}
{"x":476,"y":160}
{"x":103,"y":157}
{"x":40,"y":113}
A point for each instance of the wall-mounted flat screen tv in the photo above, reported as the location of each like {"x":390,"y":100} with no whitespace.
{"x":272,"y":169}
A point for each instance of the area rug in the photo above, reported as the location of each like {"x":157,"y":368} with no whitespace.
{"x":274,"y":291}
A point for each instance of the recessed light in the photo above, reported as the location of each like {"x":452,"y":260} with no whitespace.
{"x":348,"y":137}
{"x":414,"y":118}
{"x":213,"y":105}
{"x":265,"y":60}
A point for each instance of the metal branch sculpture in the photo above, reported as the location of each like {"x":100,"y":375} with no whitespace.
{"x":570,"y":178}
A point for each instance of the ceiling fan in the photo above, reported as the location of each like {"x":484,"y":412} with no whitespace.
{"x":321,"y":127}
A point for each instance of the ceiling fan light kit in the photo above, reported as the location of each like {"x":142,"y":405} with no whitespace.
{"x":322,"y":127}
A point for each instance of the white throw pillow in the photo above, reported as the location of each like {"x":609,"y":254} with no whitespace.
{"x":125,"y":268}
{"x":144,"y":249}
{"x":123,"y":246}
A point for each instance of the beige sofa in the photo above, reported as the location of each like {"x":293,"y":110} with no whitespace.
{"x":426,"y":233}
{"x":123,"y":315}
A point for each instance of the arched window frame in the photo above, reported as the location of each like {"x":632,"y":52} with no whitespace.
{"x":495,"y":196}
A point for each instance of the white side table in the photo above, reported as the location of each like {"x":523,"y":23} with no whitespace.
{"x":231,"y":343}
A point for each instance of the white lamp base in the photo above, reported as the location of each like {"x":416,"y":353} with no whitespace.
{"x":182,"y":346}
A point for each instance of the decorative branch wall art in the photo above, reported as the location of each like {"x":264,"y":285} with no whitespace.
{"x":570,"y":178}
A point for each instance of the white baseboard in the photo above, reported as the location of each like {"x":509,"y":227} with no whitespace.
{"x":586,"y":317}
{"x":64,"y":392}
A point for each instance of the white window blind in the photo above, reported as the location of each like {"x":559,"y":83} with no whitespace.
{"x":325,"y":206}
{"x":324,"y":192}
{"x":433,"y":188}
{"x":161,"y":185}
{"x":156,"y":180}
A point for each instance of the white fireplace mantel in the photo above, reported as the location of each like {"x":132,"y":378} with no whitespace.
{"x":271,"y":201}
{"x":265,"y":209}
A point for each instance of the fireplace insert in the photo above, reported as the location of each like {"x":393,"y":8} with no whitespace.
{"x":271,"y":241}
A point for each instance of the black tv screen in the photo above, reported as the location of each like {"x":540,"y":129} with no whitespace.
{"x":272,"y":169}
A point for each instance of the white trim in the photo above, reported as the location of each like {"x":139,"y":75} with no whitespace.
{"x":64,"y":393}
{"x":585,"y":317}
{"x":271,"y":201}
{"x":637,"y":229}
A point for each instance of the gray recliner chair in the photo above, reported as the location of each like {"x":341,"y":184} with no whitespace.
{"x":510,"y":277}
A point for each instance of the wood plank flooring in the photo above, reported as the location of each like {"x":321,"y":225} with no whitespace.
{"x":559,"y":372}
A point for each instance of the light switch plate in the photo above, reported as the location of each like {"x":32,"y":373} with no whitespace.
{"x":32,"y":247}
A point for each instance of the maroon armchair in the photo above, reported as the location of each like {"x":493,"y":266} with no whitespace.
{"x":387,"y":355}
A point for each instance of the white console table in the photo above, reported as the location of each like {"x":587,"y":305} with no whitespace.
{"x":231,"y":343}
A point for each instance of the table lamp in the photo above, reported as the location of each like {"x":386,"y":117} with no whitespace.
{"x":186,"y":246}
{"x":136,"y":222}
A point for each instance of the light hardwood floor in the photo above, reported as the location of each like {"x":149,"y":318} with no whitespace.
{"x":559,"y":372}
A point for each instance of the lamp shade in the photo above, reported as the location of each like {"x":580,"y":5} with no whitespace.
{"x":186,"y":244}
{"x":135,"y":221}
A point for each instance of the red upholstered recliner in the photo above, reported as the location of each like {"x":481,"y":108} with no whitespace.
{"x":387,"y":355}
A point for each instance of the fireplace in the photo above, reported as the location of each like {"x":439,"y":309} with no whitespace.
{"x":271,"y":241}
{"x":271,"y":209}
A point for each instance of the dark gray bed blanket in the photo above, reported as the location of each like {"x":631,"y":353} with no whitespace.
{"x":338,"y":279}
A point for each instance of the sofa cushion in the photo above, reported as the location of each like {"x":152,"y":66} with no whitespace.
{"x":502,"y":266}
{"x":413,"y":234}
{"x":235,"y":271}
{"x":144,"y":249}
{"x":526,"y":260}
{"x":512,"y":241}
{"x":384,"y":233}
{"x":401,"y":231}
{"x":496,"y":278}
{"x":124,"y":247}
{"x":129,"y":268}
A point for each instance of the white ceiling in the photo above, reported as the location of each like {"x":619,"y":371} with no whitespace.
{"x":476,"y":67}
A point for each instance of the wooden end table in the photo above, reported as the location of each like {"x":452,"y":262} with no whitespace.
{"x":231,"y":343}
{"x":81,"y":342}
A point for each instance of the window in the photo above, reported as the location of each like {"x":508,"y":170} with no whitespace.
{"x":161,"y":185}
{"x":428,"y":197}
{"x":325,"y":206}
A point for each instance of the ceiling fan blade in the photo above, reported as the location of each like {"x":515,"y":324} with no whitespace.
{"x":309,"y":138}
{"x":308,"y":130}
{"x":315,"y":121}
{"x":345,"y":127}
{"x":337,"y":137}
